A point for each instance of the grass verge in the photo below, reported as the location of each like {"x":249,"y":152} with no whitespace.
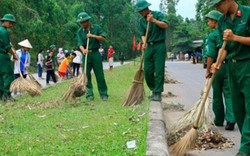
{"x":45,"y":125}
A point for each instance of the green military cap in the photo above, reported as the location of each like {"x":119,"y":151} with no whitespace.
{"x":213,"y":2}
{"x":9,"y":17}
{"x":141,"y":5}
{"x":52,"y":46}
{"x":83,"y":16}
{"x":214,"y":14}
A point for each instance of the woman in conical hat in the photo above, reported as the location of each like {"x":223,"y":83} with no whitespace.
{"x":24,"y":59}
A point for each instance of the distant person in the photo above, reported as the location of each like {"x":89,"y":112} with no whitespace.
{"x":76,"y":63}
{"x":50,"y":69}
{"x":6,"y":70}
{"x":24,"y":58}
{"x":111,"y":51}
{"x":197,"y":56}
{"x":122,"y":58}
{"x":64,"y":67}
{"x":155,"y":54}
{"x":101,"y":51}
{"x":94,"y":60}
{"x":52,"y":48}
{"x":186,"y":57}
{"x":40,"y":62}
{"x":60,"y":56}
{"x":172,"y":57}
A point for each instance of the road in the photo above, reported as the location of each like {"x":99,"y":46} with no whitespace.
{"x":191,"y":78}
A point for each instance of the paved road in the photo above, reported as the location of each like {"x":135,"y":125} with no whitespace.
{"x":191,"y":78}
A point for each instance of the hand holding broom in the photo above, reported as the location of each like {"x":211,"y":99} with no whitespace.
{"x":187,"y":142}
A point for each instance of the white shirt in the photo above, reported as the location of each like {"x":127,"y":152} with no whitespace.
{"x":40,"y":59}
{"x":78,"y":58}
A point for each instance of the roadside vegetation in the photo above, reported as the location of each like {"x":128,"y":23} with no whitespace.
{"x":46,"y":125}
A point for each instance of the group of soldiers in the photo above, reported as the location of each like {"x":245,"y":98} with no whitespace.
{"x":231,"y":28}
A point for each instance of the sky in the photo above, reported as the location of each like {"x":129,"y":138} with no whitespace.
{"x":185,"y":8}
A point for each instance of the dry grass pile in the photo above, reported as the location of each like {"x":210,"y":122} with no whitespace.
{"x":22,"y":85}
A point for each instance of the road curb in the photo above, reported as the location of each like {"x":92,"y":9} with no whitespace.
{"x":156,"y":137}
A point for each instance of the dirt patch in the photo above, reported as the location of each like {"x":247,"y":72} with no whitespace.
{"x":168,"y":94}
{"x":172,"y":106}
{"x":50,"y":104}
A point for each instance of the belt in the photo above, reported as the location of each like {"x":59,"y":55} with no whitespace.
{"x":239,"y":61}
{"x":154,"y":42}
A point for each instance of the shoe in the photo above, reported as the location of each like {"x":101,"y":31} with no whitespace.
{"x":242,"y":154}
{"x":150,"y":97}
{"x":156,"y":97}
{"x":90,"y":98}
{"x":104,"y":98}
{"x":230,"y":126}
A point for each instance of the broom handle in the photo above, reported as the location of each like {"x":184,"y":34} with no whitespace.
{"x":146,"y":37}
{"x":17,"y":63}
{"x":207,"y":89}
{"x":86,"y":56}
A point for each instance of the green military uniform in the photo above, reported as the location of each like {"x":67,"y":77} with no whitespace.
{"x":220,"y":83}
{"x":7,"y":68}
{"x":239,"y":66}
{"x":155,"y":54}
{"x":94,"y":60}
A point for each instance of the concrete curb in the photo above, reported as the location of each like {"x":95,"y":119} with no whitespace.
{"x":156,"y":138}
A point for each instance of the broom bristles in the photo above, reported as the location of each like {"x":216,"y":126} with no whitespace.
{"x":136,"y":92}
{"x":189,"y":117}
{"x":76,"y":85}
{"x":34,"y":80}
{"x":22,"y":85}
{"x":186,"y":143}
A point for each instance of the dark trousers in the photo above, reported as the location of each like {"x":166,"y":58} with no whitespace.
{"x":40,"y":70}
{"x":18,"y":75}
{"x":76,"y":67}
{"x":52,"y":74}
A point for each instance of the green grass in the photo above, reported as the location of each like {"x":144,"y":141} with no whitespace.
{"x":45,"y":125}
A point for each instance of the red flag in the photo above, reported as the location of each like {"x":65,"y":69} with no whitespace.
{"x":139,"y":46}
{"x":134,"y":43}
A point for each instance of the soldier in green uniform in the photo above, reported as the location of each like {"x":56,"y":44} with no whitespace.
{"x":221,"y":80}
{"x":94,"y":60}
{"x":155,"y":54}
{"x":234,"y":28}
{"x":6,"y":71}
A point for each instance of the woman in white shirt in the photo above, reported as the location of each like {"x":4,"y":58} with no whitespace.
{"x":76,"y":62}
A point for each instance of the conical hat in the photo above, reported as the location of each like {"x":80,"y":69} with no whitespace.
{"x":25,"y":43}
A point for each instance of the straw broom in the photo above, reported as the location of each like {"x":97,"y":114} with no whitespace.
{"x":23,"y":85}
{"x":78,"y":86}
{"x":34,"y":80}
{"x":136,"y":92}
{"x":188,"y":118}
{"x":187,"y":142}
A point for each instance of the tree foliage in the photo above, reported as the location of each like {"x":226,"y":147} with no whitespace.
{"x":46,"y":22}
